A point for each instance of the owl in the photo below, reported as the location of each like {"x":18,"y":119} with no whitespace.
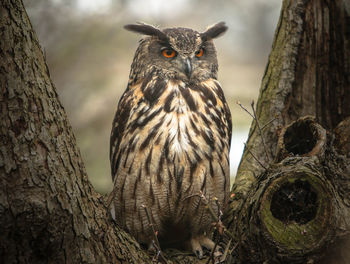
{"x":170,"y":139}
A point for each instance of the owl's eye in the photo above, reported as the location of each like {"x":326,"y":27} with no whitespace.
{"x":169,"y":53}
{"x":200,"y":53}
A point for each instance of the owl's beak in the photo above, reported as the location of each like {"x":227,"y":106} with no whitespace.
{"x":188,"y":67}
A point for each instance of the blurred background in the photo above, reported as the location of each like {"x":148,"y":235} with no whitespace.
{"x":89,"y":56}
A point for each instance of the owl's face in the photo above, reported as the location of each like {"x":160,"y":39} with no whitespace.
{"x":177,"y":53}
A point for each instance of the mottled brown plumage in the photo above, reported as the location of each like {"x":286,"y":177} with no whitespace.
{"x":170,"y":138}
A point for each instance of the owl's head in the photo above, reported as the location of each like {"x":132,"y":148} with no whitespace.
{"x":177,"y":53}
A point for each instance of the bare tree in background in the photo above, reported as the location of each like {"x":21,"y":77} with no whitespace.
{"x":290,"y":202}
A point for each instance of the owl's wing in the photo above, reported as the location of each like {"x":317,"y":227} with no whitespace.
{"x":227,"y":113}
{"x":226,"y":110}
{"x":118,"y":127}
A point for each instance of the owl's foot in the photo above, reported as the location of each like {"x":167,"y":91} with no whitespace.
{"x":201,"y":241}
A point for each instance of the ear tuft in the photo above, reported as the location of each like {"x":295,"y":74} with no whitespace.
{"x":214,"y":31}
{"x":146,"y":29}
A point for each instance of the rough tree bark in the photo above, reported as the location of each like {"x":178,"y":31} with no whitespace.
{"x":49,"y":212}
{"x":294,"y":211}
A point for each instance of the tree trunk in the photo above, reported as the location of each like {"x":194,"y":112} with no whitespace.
{"x":290,"y":202}
{"x":49,"y":211}
{"x":291,"y":198}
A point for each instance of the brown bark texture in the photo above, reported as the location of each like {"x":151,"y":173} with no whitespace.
{"x":290,"y":202}
{"x":49,"y":212}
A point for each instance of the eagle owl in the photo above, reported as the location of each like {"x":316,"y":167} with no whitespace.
{"x":170,"y":138}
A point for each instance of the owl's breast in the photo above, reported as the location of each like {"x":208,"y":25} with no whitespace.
{"x":175,"y":144}
{"x":185,"y":120}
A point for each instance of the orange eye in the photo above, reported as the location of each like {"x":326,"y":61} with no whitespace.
{"x":200,"y":53}
{"x":169,"y":53}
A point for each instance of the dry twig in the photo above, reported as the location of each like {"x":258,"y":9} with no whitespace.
{"x":260,"y":131}
{"x":217,"y":220}
{"x":269,"y":122}
{"x":251,"y":153}
{"x":245,"y":109}
{"x":155,"y":241}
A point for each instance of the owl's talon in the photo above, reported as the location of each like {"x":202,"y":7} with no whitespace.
{"x":199,"y":254}
{"x":196,"y":248}
{"x":218,"y":252}
{"x":219,"y":249}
